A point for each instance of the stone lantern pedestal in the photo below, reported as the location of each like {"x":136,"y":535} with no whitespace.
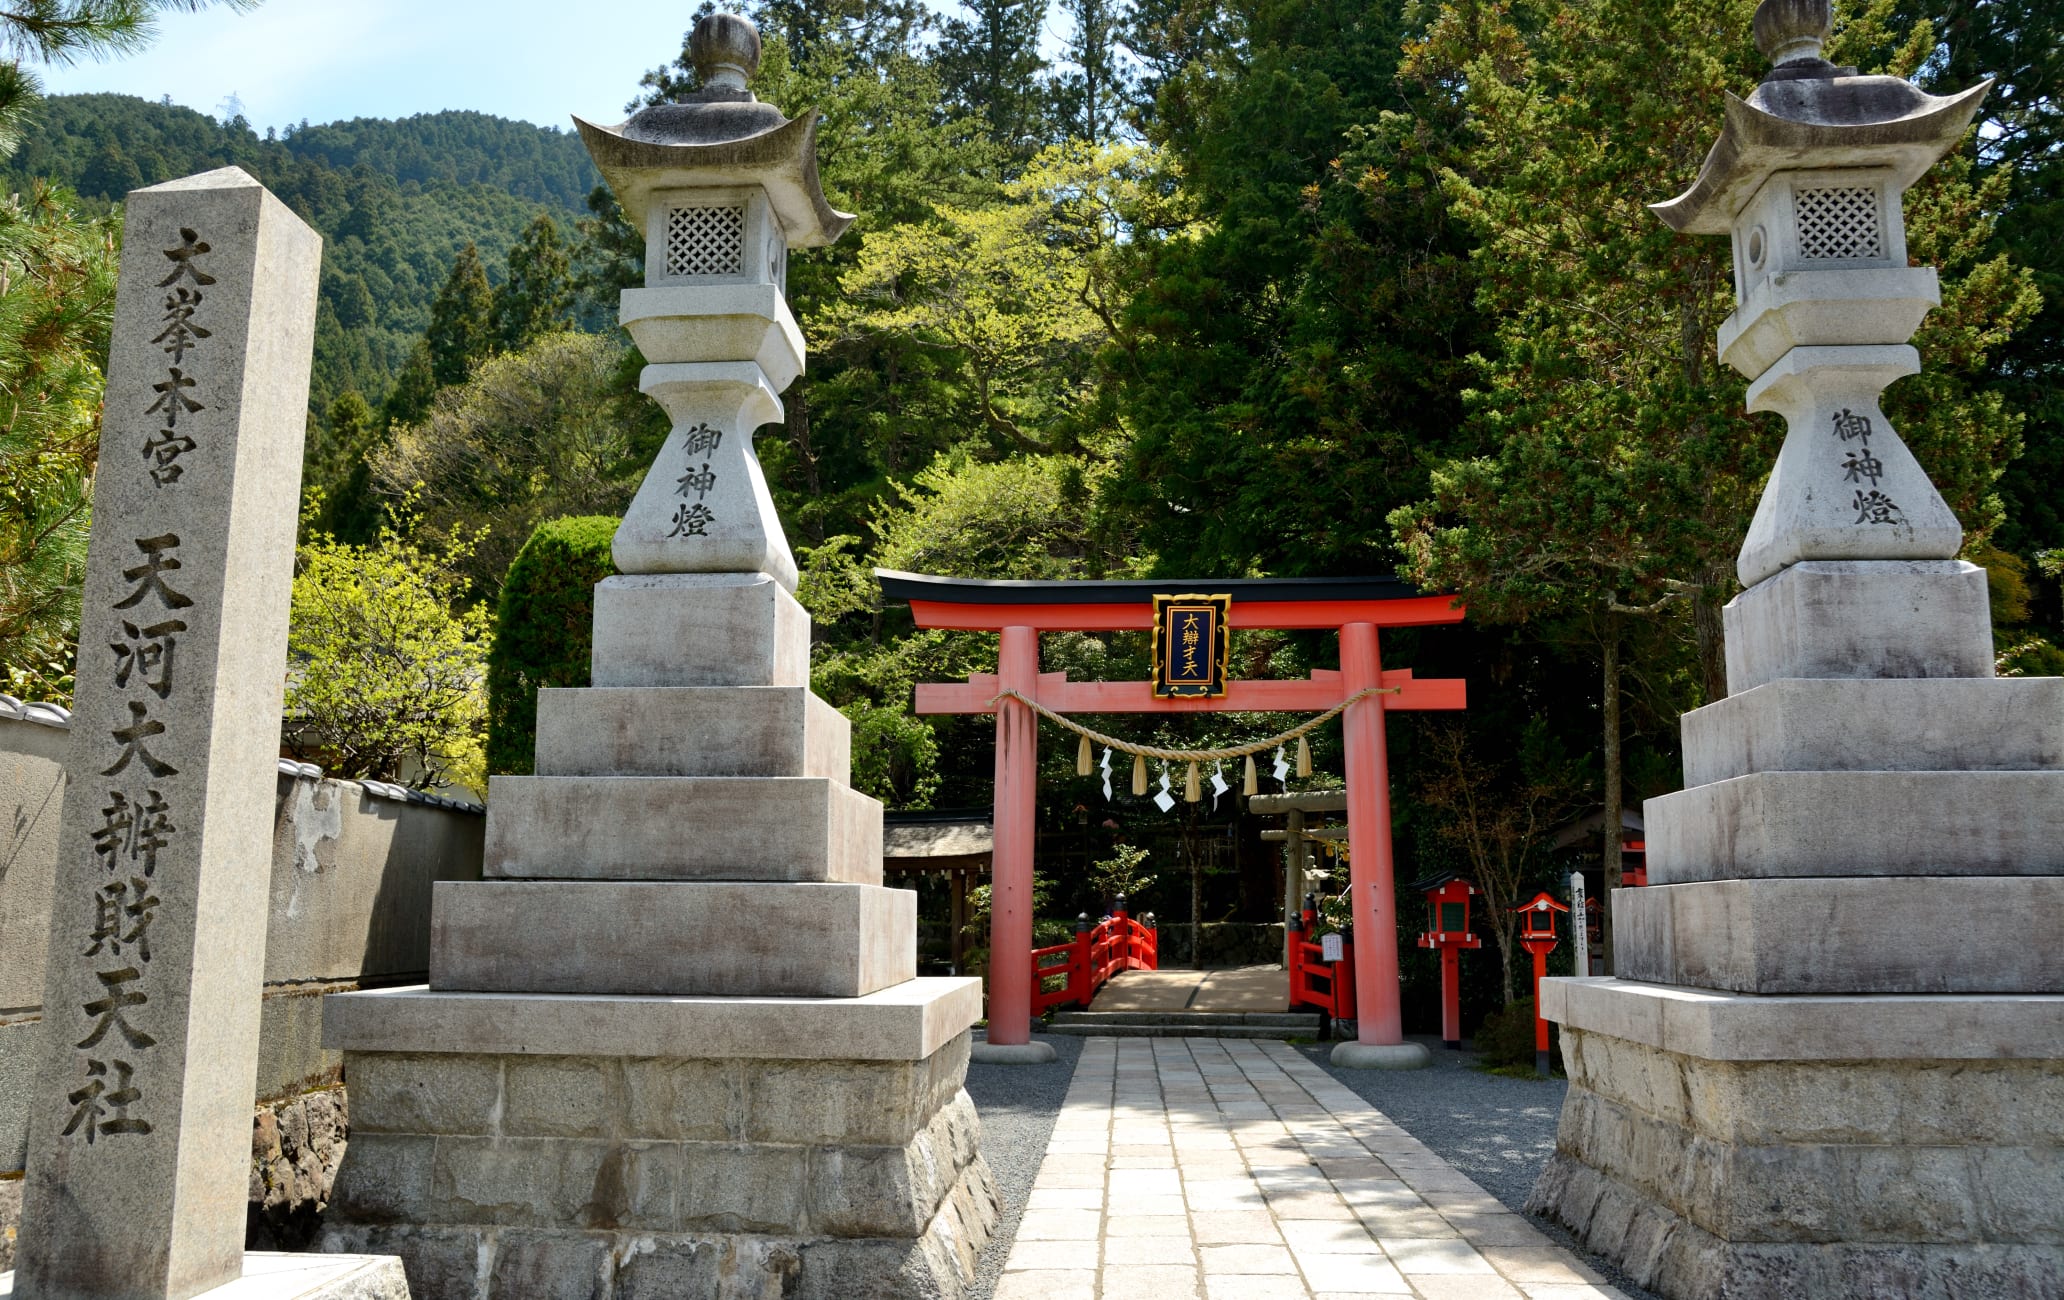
{"x":672,"y":1045}
{"x":1831,"y":1062}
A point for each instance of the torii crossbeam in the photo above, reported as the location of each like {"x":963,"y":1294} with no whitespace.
{"x":1020,"y":611}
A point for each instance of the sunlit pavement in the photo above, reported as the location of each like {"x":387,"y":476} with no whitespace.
{"x":1234,"y":1169}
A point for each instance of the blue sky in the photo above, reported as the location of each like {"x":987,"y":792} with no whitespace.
{"x":322,"y":60}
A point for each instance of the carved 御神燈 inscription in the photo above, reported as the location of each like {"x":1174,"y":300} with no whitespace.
{"x":1871,"y":505}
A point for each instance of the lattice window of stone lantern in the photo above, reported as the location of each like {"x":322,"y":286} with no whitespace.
{"x":705,"y":241}
{"x":1839,"y":223}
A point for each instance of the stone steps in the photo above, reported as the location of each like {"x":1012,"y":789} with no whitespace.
{"x":1187,"y":1024}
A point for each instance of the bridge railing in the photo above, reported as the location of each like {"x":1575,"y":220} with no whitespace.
{"x":1326,"y":986}
{"x":1073,"y":972}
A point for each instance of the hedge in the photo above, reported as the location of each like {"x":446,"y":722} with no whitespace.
{"x":543,"y":630}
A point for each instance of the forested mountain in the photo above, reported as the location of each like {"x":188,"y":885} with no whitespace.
{"x":395,"y":201}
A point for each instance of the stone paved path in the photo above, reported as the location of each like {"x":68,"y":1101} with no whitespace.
{"x":1234,"y":1169}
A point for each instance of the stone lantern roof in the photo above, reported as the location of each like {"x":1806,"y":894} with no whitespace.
{"x":1808,"y":113}
{"x":720,"y":135}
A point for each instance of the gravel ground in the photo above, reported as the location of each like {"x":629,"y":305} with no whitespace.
{"x":1018,"y":1105}
{"x":1496,"y":1129}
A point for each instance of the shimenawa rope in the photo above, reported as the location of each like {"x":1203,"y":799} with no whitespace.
{"x":1193,"y":757}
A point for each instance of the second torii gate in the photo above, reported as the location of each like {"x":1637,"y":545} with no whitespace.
{"x":1020,"y":611}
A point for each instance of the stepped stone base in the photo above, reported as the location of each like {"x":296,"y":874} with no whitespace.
{"x":1901,"y":934}
{"x":522,"y":1175}
{"x":1879,"y":724}
{"x":1721,"y":1147}
{"x":1860,"y":618}
{"x":723,"y":828}
{"x":691,"y":731}
{"x":749,"y":940}
{"x":1859,"y":824}
{"x":699,"y":629}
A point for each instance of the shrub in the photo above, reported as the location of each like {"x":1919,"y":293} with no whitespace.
{"x":543,"y":630}
{"x":1505,"y":1040}
{"x":386,"y":663}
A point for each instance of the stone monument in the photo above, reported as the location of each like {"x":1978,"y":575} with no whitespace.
{"x":140,"y":1135}
{"x":1832,"y":1061}
{"x":673,"y":1045}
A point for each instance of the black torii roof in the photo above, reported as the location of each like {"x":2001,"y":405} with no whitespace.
{"x":896,"y":585}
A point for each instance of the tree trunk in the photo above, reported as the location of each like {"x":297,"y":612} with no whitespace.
{"x":1504,"y":934}
{"x":796,"y":415}
{"x":1712,"y":640}
{"x":1610,"y":686}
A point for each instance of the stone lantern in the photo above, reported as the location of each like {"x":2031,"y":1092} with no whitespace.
{"x":1807,"y":178}
{"x":1448,"y":932}
{"x":1537,"y":935}
{"x":673,"y":1042}
{"x":1827,"y":1058}
{"x":722,"y":187}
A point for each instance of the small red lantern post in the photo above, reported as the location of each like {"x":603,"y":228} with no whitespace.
{"x":1537,"y":936}
{"x":1448,"y":933}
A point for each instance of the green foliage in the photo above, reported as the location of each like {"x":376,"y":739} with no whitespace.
{"x":1287,"y":360}
{"x":334,"y":466}
{"x":533,"y":434}
{"x":895,"y":756}
{"x":462,"y":321}
{"x":1021,"y":518}
{"x":1123,"y":874}
{"x":57,"y":273}
{"x":989,"y":63}
{"x":543,"y":630}
{"x":386,"y":665}
{"x":63,"y":31}
{"x":1014,"y":299}
{"x":1089,"y":103}
{"x":538,"y":293}
{"x":1047,"y":929}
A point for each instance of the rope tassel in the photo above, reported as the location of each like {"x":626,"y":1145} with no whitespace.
{"x":1303,"y":757}
{"x":1082,"y":759}
{"x":1193,"y":789}
{"x":1139,"y":773}
{"x":1252,"y":785}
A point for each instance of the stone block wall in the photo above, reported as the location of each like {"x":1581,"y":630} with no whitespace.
{"x":1723,"y":1180}
{"x":352,"y":871}
{"x":629,"y":1177}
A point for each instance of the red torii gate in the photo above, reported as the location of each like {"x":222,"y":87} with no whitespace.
{"x":1020,"y":611}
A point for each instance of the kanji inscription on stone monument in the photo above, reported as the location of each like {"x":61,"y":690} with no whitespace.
{"x":139,"y":1140}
